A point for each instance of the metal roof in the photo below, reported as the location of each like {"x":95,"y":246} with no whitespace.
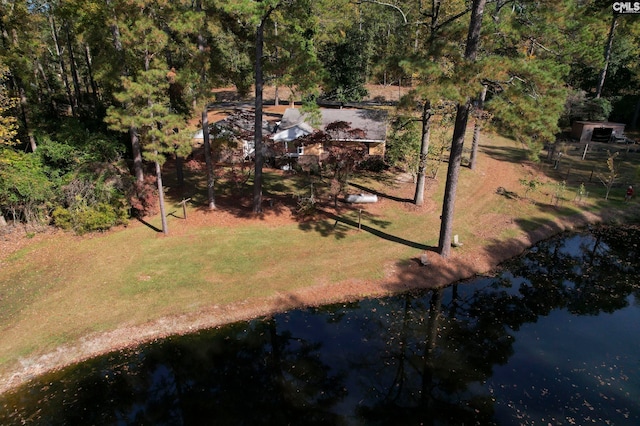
{"x":373,"y":122}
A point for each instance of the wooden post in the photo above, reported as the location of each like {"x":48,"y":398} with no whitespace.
{"x":584,"y":154}
{"x":184,"y":207}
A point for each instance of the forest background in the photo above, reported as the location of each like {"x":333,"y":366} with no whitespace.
{"x":98,"y":95}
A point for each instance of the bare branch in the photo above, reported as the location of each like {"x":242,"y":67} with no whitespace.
{"x":404,"y":16}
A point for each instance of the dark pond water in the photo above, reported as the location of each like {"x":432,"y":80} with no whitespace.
{"x":552,"y":339}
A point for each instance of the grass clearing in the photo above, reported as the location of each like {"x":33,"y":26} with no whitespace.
{"x":60,"y":290}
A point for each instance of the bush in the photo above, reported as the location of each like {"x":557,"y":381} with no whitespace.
{"x":25,"y":189}
{"x":143,"y":197}
{"x":306,"y":206}
{"x":89,"y":219}
{"x":98,"y":218}
{"x":373,"y":164}
{"x":62,"y":218}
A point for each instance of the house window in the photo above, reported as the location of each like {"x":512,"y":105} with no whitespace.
{"x":301,"y":150}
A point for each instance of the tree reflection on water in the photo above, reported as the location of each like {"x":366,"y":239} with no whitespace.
{"x":550,"y":338}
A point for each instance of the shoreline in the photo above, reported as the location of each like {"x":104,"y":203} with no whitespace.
{"x":482,"y":259}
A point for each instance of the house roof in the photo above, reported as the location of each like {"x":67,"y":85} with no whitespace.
{"x":240,"y":123}
{"x":293,"y":132}
{"x":372,"y":122}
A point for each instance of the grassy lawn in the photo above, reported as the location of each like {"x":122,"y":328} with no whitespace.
{"x":61,"y":289}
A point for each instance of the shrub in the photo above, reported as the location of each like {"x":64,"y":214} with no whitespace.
{"x":100,"y":217}
{"x":373,"y":164}
{"x":306,"y":207}
{"x":25,"y":189}
{"x":62,"y":218}
{"x":143,"y":197}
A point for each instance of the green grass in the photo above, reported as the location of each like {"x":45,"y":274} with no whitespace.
{"x":56,"y":291}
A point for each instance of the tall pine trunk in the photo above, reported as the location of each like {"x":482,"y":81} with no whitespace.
{"x":61,"y":65}
{"x":92,"y":81}
{"x":211,"y":196}
{"x":457,"y":143}
{"x":163,"y":215}
{"x":73,"y":68}
{"x":636,"y":115}
{"x":418,"y":198}
{"x":476,"y":130}
{"x":259,"y":157}
{"x":453,"y":173}
{"x":607,"y":56}
{"x":179,"y":162}
{"x":136,"y":148}
{"x":24,"y":112}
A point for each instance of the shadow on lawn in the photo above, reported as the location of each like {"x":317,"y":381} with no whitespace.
{"x":325,"y":228}
{"x":148,"y":225}
{"x":380,"y":194}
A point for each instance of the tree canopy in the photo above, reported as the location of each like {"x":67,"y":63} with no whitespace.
{"x":134,"y":71}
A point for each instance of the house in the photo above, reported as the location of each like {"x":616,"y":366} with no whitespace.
{"x":371,"y":123}
{"x":237,"y":129}
{"x":597,"y":131}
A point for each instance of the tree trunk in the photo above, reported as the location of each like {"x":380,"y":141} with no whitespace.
{"x":179,"y":170}
{"x":45,"y":79}
{"x":206,"y":137}
{"x":276,"y":100}
{"x":92,"y":81}
{"x":259,"y":158}
{"x":163,"y":215}
{"x":63,"y":72}
{"x":453,"y":172}
{"x":208,"y":160}
{"x":418,"y":198}
{"x":462,"y":115}
{"x":24,"y":112}
{"x":636,"y":115}
{"x":136,"y":148}
{"x":475,"y":26}
{"x":607,"y":56}
{"x":74,"y":68}
{"x":476,"y":130}
{"x":136,"y":151}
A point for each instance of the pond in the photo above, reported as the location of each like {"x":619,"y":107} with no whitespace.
{"x":552,"y":338}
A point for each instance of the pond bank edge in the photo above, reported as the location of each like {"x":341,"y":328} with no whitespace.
{"x":399,"y":278}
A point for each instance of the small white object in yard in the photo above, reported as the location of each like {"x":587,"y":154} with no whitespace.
{"x":361,"y":198}
{"x":424,"y":261}
{"x":456,"y":242}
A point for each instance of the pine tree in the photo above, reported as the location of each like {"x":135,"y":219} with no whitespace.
{"x":145,"y":94}
{"x":455,"y":157}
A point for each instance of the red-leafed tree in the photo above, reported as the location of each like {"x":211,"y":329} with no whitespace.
{"x":342,"y":153}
